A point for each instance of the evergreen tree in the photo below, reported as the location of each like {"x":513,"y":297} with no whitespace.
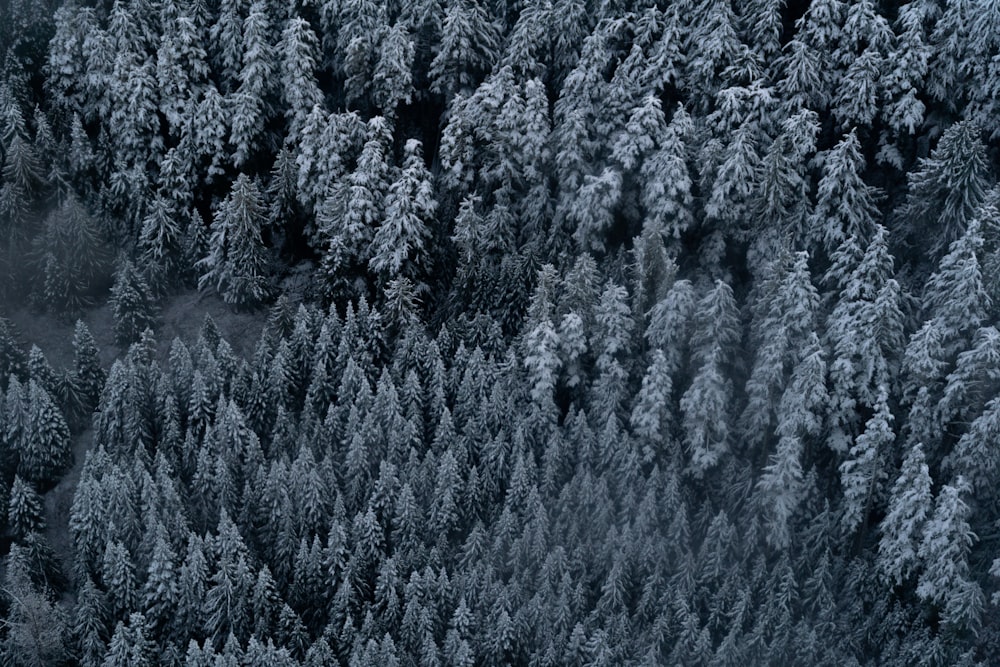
{"x":947,"y":188}
{"x":705,"y":415}
{"x":862,"y":472}
{"x":226,"y":39}
{"x":845,"y":204}
{"x":348,"y":217}
{"x":88,"y":374}
{"x":866,"y":331}
{"x":252,"y":102}
{"x":801,"y":413}
{"x":783,"y":320}
{"x":160,"y":240}
{"x":131,"y":303}
{"x":652,"y":415}
{"x":299,"y":59}
{"x":236,"y":265}
{"x":45,"y":452}
{"x":910,"y":506}
{"x":117,"y":571}
{"x":130,"y":647}
{"x":89,"y":625}
{"x":210,"y":130}
{"x":398,"y":246}
{"x":468,"y":49}
{"x":667,"y":193}
{"x":12,"y":357}
{"x":24,"y":509}
{"x":34,"y":621}
{"x":392,"y":79}
{"x":944,"y":551}
{"x":159,"y":593}
{"x":181,"y":70}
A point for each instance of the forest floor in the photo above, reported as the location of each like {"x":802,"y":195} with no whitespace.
{"x":181,"y":316}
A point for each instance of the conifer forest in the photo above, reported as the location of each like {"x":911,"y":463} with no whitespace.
{"x":454,"y":333}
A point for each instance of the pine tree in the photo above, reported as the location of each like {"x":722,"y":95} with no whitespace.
{"x":866,"y":331}
{"x":392,"y":79}
{"x":71,"y":257}
{"x":46,"y":450}
{"x":800,"y":419}
{"x":117,"y":571}
{"x":135,"y":109}
{"x":89,"y":624}
{"x":130,"y":646}
{"x":862,"y":472}
{"x":131,"y":303}
{"x":955,"y":292}
{"x":398,"y":247}
{"x":160,"y":240}
{"x":236,"y":265}
{"x":705,"y":409}
{"x":159,"y":594}
{"x":210,"y":127}
{"x":192,"y":581}
{"x":910,"y":506}
{"x":24,"y":509}
{"x":947,"y":188}
{"x":781,"y":198}
{"x":468,"y":49}
{"x":783,"y":320}
{"x":299,"y":60}
{"x":593,"y":209}
{"x":35,"y":622}
{"x":734,"y":178}
{"x":181,"y":70}
{"x":944,"y":551}
{"x":541,"y":359}
{"x":857,"y":100}
{"x":252,"y":104}
{"x":347,"y":218}
{"x":668,"y":179}
{"x":846,"y":206}
{"x":12,"y":357}
{"x":41,"y":372}
{"x":226,"y":35}
{"x":974,"y":456}
{"x":88,"y":374}
{"x":23,"y":178}
{"x":652,"y":415}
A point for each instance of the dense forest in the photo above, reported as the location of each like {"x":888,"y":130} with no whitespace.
{"x":592,"y":333}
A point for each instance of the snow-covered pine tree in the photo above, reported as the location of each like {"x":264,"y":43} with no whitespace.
{"x":399,"y":245}
{"x":160,"y":241}
{"x":24,"y":509}
{"x":348,"y":217}
{"x":468,"y":49}
{"x":72,"y":257}
{"x":392,"y":78}
{"x":299,"y":59}
{"x":252,"y":104}
{"x":181,"y":71}
{"x":237,"y":266}
{"x":944,"y":552}
{"x":45,"y":452}
{"x":782,"y":485}
{"x":132,"y":303}
{"x":863,"y":471}
{"x":947,"y":188}
{"x":910,"y":506}
{"x":846,"y":206}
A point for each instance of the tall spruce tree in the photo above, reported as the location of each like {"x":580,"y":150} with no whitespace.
{"x":237,"y":266}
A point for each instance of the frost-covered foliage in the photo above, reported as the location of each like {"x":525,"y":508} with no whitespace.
{"x":630,"y":333}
